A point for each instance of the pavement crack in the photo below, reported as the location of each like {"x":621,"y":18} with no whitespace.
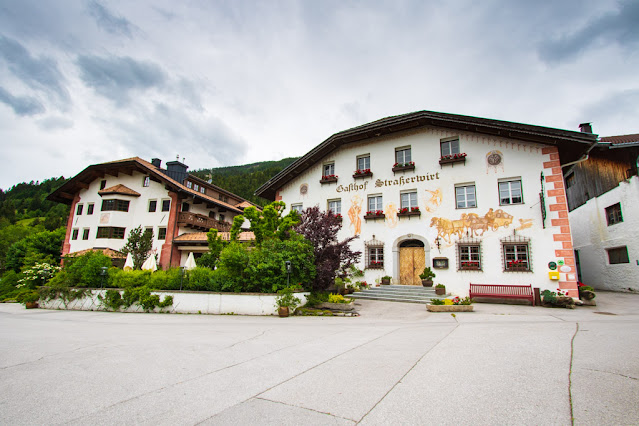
{"x":49,"y":356}
{"x":408,"y":371}
{"x":305,"y":408}
{"x":249,"y":339}
{"x":572,"y":351}
{"x":611,"y":372}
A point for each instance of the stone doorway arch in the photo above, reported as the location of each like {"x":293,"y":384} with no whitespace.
{"x":411,"y":253}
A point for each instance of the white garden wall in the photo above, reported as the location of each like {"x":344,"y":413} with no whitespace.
{"x":188,"y":302}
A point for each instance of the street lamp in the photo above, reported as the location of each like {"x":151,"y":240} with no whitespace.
{"x":181,"y":276}
{"x":103,"y":272}
{"x":288,"y":272}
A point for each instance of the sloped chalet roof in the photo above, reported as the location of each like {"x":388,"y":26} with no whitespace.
{"x":621,"y":141}
{"x":571,"y":144}
{"x":119,"y":189}
{"x":66,"y":192}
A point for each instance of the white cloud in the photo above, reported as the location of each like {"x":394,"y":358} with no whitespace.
{"x":225,"y":83}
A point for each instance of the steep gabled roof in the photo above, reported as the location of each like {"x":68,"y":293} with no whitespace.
{"x":119,"y":189}
{"x":66,"y":192}
{"x":621,"y":141}
{"x":571,"y":144}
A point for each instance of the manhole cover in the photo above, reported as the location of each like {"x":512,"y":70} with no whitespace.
{"x":605,"y":313}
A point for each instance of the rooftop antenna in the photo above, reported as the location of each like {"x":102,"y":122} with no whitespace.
{"x":177,"y":157}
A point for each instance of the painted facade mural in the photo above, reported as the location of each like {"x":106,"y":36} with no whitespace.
{"x":391,"y":215}
{"x":433,"y":199}
{"x":471,"y":224}
{"x":354,"y":214}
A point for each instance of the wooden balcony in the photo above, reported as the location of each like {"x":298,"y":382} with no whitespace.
{"x":201,"y":222}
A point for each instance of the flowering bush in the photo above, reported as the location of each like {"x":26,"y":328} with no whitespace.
{"x":328,"y":177}
{"x":469,"y":264}
{"x":362,"y":172}
{"x":454,"y":156}
{"x":410,"y":163}
{"x":338,"y":216}
{"x":465,"y":301}
{"x":37,"y":275}
{"x":337,"y":298}
{"x":375,"y":213}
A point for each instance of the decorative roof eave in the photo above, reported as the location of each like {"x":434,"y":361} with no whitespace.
{"x":420,"y":119}
{"x":118,"y":190}
{"x":67,"y":191}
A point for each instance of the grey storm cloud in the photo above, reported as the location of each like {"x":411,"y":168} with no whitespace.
{"x":115,"y":77}
{"x":108,"y":21}
{"x":619,"y":27}
{"x":22,"y":105}
{"x":38,"y":73}
{"x":54,"y":123}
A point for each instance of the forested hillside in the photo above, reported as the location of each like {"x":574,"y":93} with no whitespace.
{"x":244,"y":180}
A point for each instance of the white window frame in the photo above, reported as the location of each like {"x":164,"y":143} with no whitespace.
{"x":506,"y":186}
{"x":449,"y":146}
{"x":378,"y":202}
{"x":406,"y":155}
{"x":375,"y":254}
{"x":146,"y":182}
{"x":464,"y":190}
{"x":408,"y":197}
{"x":363,"y":162}
{"x":189,"y":184}
{"x":296,"y":207}
{"x":469,"y":253}
{"x":337,"y":206}
{"x":328,"y":169}
{"x":520,"y":252}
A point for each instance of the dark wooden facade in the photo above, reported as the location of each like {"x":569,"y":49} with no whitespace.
{"x":603,"y":171}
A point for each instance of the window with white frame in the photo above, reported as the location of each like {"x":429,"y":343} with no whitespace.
{"x":516,"y":256}
{"x":335,"y":206}
{"x":328,"y":169}
{"x":465,"y":196}
{"x":189,"y":184}
{"x":79,"y":209}
{"x":90,"y":208}
{"x":85,"y":234}
{"x":403,"y":155}
{"x":469,"y":256}
{"x":375,"y":203}
{"x":364,"y":162}
{"x":510,"y":192}
{"x":296,"y":208}
{"x":449,"y":147}
{"x":146,"y":182}
{"x":408,"y":200}
{"x":74,"y":235}
{"x":162,"y":233}
{"x":374,"y":254}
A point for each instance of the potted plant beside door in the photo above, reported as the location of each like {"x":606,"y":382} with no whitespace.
{"x":286,"y":302}
{"x":440,"y":289}
{"x":427,"y":277}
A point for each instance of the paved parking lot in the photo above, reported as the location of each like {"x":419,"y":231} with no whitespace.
{"x":395,"y":364}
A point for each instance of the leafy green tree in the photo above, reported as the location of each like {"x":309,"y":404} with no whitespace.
{"x":267,"y":224}
{"x":139,"y":244}
{"x":82,"y":271}
{"x":216,"y":244}
{"x":42,"y":247}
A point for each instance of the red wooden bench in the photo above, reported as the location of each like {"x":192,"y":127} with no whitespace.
{"x":502,"y":291}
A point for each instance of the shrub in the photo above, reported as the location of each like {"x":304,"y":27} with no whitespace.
{"x":316,"y":298}
{"x":128,"y":279}
{"x":202,"y":279}
{"x":8,"y":283}
{"x":437,"y":302}
{"x":83,"y":271}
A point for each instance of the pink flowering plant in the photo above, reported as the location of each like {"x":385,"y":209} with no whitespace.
{"x":457,"y":156}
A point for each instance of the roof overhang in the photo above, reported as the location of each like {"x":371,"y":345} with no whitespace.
{"x":571,"y":144}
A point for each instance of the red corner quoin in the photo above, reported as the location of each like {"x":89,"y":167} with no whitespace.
{"x":558,"y":207}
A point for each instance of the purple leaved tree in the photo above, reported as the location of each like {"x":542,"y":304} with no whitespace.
{"x":332,"y":257}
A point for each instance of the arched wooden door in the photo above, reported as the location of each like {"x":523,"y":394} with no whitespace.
{"x":412,"y":261}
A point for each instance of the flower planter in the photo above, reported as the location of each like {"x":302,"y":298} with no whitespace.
{"x":427,"y":283}
{"x":409,"y":214}
{"x":374,"y":217}
{"x":31,"y":305}
{"x":449,"y":308}
{"x":440,"y":291}
{"x":337,"y":306}
{"x":469,"y":268}
{"x":517,"y":269}
{"x":403,"y":168}
{"x":385,"y":282}
{"x":283,"y":311}
{"x":375,"y":266}
{"x":363,"y":175}
{"x":328,"y":180}
{"x":452,"y":161}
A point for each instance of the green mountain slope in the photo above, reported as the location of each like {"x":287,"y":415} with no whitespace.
{"x":244,"y":180}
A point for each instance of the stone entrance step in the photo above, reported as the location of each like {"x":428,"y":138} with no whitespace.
{"x":398,"y":293}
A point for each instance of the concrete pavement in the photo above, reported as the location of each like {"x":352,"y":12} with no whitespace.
{"x":395,"y":364}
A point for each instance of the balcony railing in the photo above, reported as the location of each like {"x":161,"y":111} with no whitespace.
{"x":201,"y":222}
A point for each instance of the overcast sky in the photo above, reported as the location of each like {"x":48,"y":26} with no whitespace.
{"x":233,"y":82}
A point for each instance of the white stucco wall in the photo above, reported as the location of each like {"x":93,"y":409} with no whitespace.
{"x":137,"y":215}
{"x":520,"y":160}
{"x":592,"y":236}
{"x":187,"y":302}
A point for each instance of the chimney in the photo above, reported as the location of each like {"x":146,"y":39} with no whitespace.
{"x":586,"y":127}
{"x":176,"y":170}
{"x":156,"y":162}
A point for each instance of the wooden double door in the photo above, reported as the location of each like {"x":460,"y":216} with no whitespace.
{"x":412,"y":261}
